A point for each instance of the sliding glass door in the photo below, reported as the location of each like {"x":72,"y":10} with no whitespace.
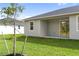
{"x":64,"y":29}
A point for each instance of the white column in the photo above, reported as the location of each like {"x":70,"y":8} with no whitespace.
{"x":73,"y":33}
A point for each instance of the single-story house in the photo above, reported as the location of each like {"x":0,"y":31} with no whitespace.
{"x":62,"y":23}
{"x":7,"y":27}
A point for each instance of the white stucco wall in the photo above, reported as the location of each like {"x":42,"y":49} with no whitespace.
{"x":35,"y":31}
{"x":43,"y":27}
{"x":10,"y":30}
{"x":74,"y":34}
{"x":53,"y":28}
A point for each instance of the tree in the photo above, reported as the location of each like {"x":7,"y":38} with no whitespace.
{"x":12,"y":11}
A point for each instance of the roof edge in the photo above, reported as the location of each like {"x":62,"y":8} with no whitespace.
{"x":28,"y":19}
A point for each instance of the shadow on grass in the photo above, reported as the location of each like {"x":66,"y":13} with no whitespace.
{"x":7,"y":36}
{"x":64,"y":43}
{"x":21,"y":38}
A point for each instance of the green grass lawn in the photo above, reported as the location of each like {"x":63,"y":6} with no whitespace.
{"x":41,"y":46}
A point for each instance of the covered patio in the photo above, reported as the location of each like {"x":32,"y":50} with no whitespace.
{"x":57,"y":27}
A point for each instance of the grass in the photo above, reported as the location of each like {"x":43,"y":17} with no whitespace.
{"x":36,"y":46}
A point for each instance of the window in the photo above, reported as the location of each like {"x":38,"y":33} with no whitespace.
{"x":31,"y":25}
{"x":18,"y":26}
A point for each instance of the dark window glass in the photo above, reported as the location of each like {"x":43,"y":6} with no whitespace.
{"x":31,"y":25}
{"x":18,"y":26}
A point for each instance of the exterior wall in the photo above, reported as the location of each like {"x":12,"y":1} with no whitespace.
{"x":53,"y":28}
{"x":74,"y":34}
{"x":44,"y":28}
{"x":35,"y":31}
{"x":10,"y":30}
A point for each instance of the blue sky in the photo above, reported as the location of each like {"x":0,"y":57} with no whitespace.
{"x":33,"y":9}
